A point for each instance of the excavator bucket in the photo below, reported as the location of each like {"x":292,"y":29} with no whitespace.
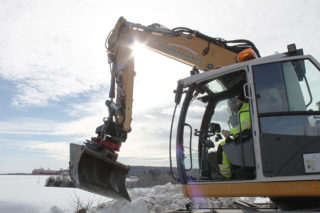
{"x":98,"y":172}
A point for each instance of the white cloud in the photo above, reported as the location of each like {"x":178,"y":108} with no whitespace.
{"x":34,"y":127}
{"x":53,"y":51}
{"x":85,"y":126}
{"x":48,"y":56}
{"x":23,"y":155}
{"x":93,"y":105}
{"x":27,"y":126}
{"x":56,"y":150}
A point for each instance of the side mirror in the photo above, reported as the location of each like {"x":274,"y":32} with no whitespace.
{"x":215,"y":127}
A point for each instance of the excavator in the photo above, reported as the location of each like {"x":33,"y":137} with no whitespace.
{"x":278,"y":156}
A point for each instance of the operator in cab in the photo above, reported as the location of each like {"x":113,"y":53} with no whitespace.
{"x":243,"y":127}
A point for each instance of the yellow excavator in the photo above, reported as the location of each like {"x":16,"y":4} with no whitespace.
{"x":278,"y":156}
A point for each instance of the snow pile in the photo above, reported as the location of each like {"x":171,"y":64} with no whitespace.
{"x":28,"y":194}
{"x":158,"y":199}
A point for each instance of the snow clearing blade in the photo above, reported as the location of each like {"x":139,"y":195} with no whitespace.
{"x":98,"y":172}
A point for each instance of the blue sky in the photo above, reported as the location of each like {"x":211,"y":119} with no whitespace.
{"x":54,"y":75}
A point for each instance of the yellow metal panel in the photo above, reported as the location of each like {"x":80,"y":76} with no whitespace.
{"x":267,"y":189}
{"x":125,"y":63}
{"x":187,"y":49}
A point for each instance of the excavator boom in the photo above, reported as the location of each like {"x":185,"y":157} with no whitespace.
{"x":94,"y":166}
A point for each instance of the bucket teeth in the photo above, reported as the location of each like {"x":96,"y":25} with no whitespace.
{"x":98,"y":173}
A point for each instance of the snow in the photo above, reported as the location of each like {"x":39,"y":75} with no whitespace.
{"x":27,"y":194}
{"x":158,"y":199}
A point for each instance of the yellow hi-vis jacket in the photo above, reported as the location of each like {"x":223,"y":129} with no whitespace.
{"x":245,"y":123}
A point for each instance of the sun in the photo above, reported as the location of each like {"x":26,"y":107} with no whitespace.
{"x":138,"y":49}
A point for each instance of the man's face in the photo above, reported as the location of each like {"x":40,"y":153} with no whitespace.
{"x":239,"y":103}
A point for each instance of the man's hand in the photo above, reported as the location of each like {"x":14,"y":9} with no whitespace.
{"x":225,"y":133}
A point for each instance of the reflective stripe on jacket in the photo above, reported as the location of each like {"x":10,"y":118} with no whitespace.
{"x":245,"y":121}
{"x":225,"y":166}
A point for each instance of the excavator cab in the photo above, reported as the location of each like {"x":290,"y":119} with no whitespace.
{"x":216,"y":99}
{"x":279,"y":155}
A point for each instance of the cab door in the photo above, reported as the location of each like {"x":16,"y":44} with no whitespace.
{"x":288,"y":105}
{"x":209,"y":107}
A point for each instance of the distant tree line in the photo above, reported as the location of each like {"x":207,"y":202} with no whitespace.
{"x":143,"y":177}
{"x":151,"y":176}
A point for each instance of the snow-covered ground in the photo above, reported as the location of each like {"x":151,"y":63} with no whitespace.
{"x":158,"y":199}
{"x":27,"y":194}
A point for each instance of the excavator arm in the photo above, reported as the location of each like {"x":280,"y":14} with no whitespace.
{"x":182,"y":44}
{"x":94,"y":166}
